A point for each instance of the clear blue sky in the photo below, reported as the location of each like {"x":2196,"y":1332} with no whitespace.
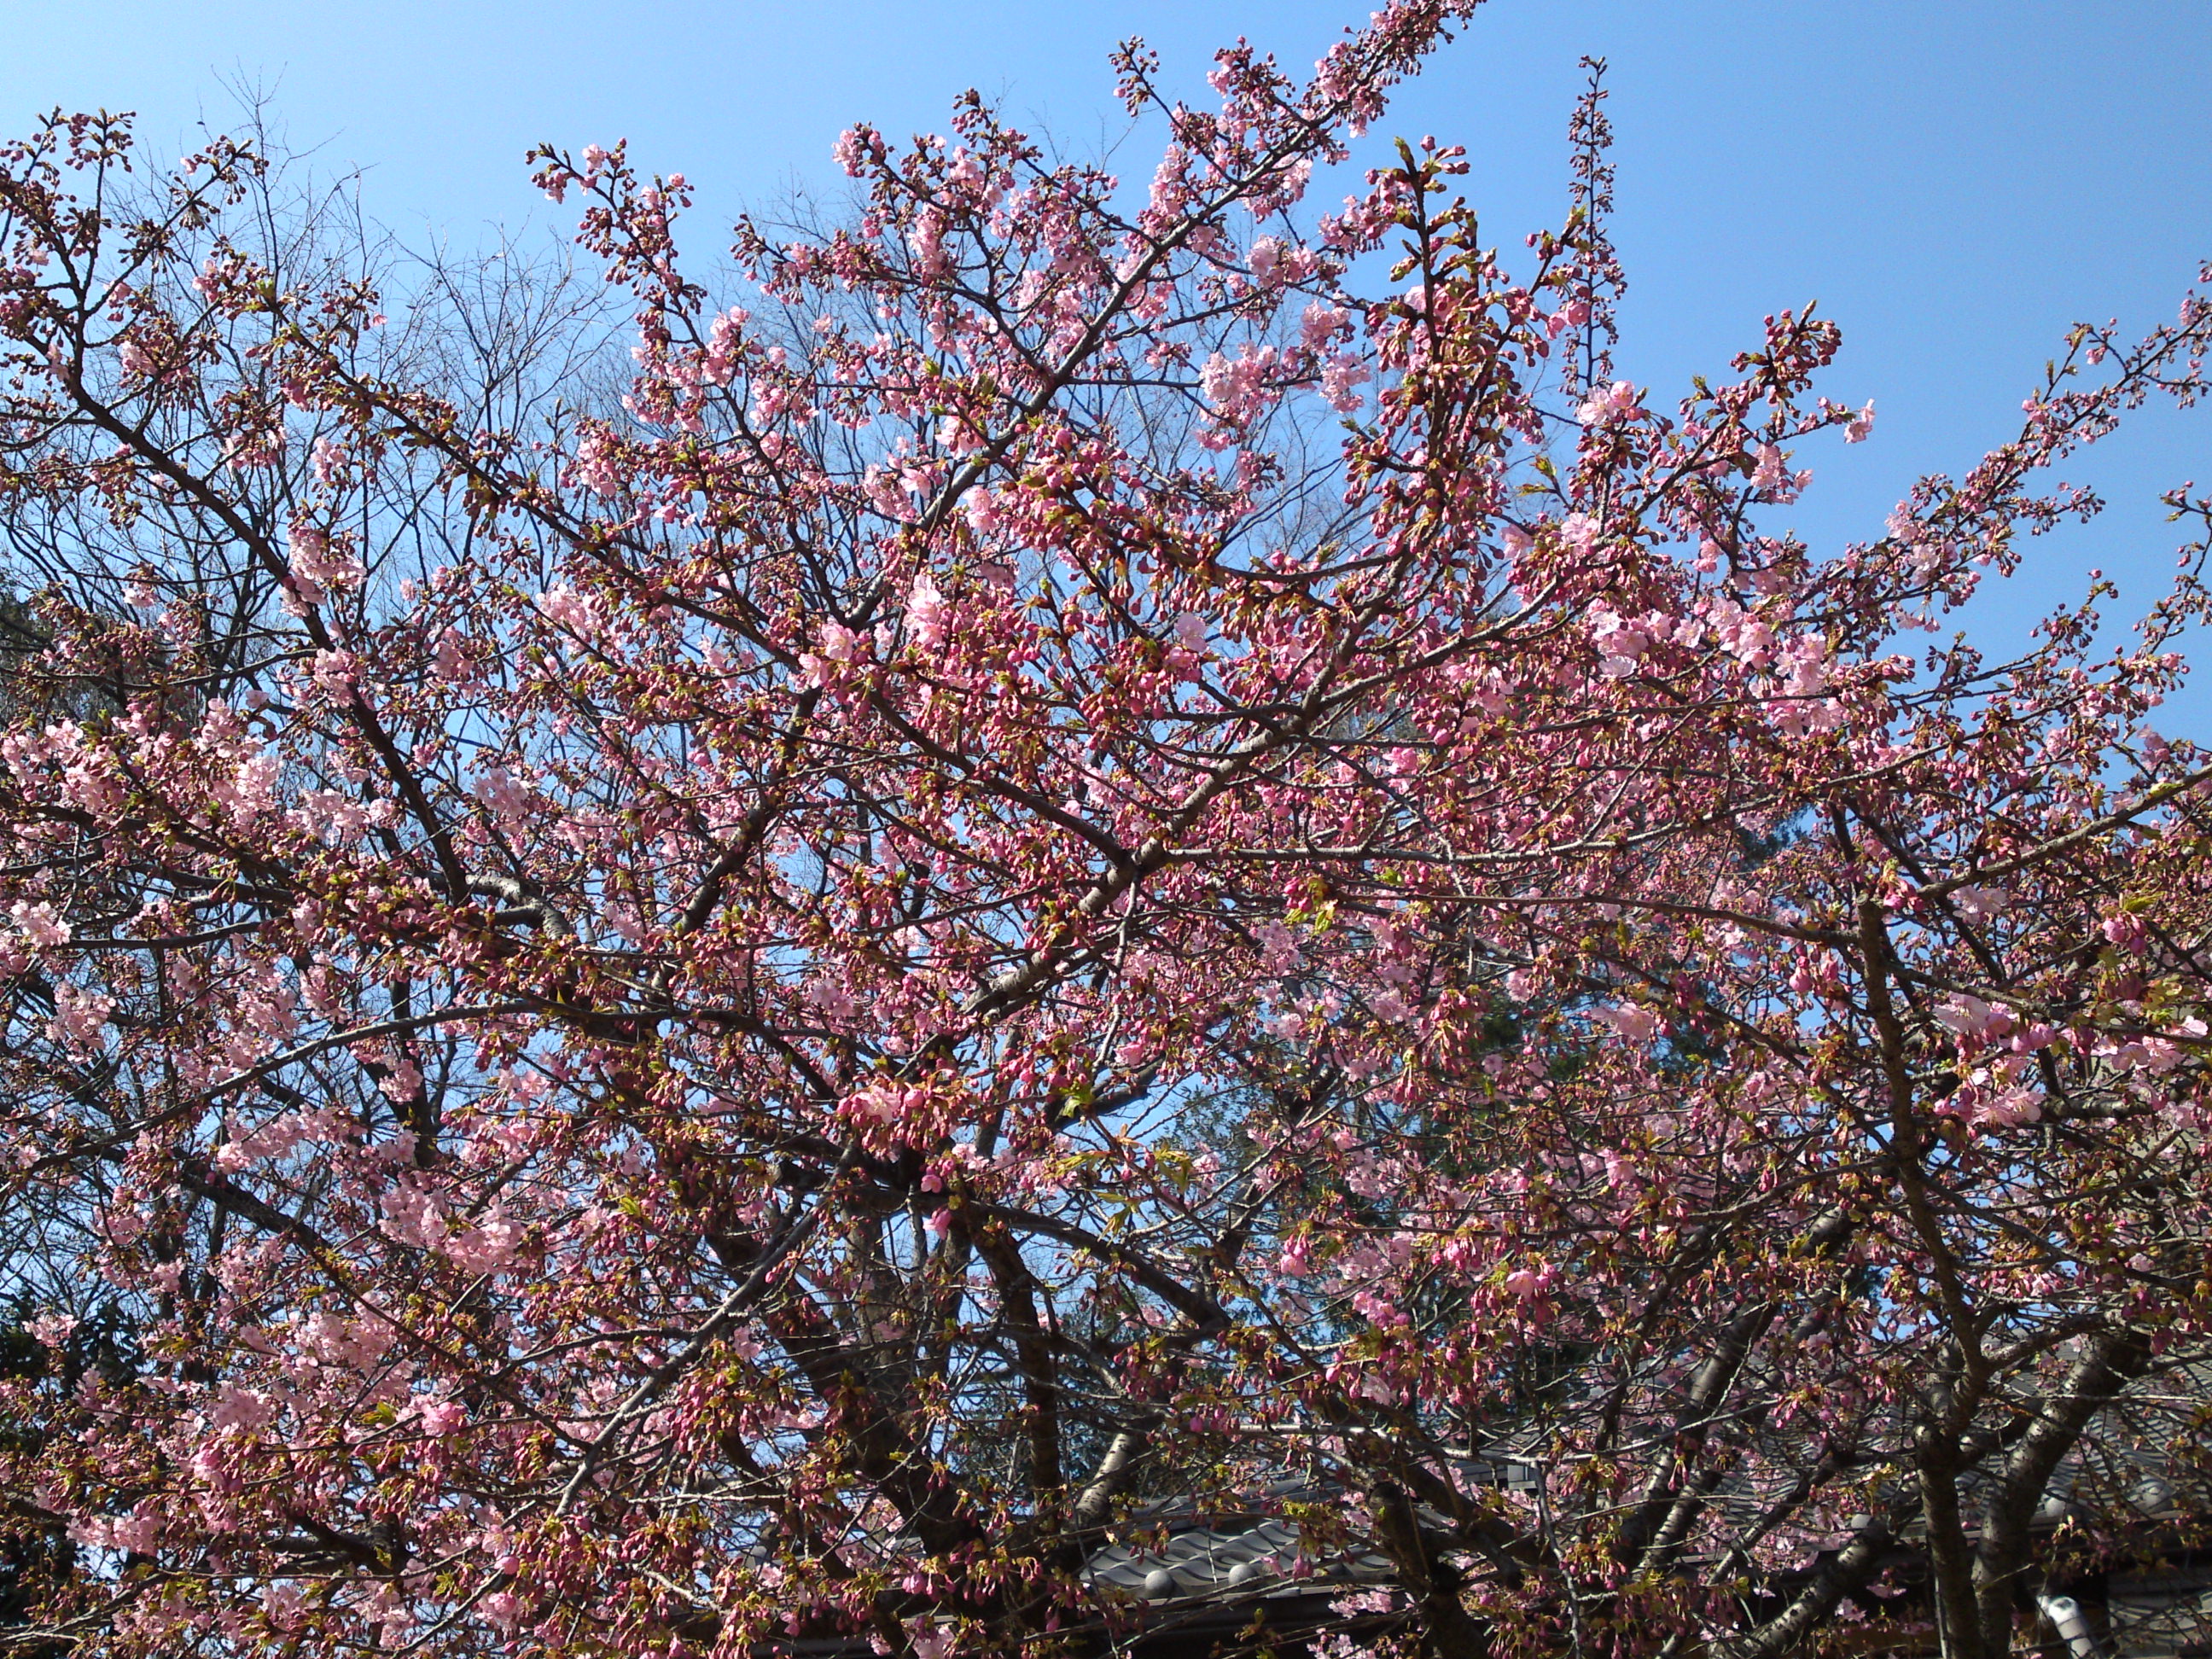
{"x":1954,"y":180}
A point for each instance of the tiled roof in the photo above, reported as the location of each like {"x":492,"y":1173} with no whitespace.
{"x":1260,"y":1559}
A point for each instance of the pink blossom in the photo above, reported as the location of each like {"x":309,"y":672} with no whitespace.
{"x":1971,"y":1017}
{"x":1341,"y":376}
{"x":254,"y":449}
{"x":1773,"y":478}
{"x":838,"y":649}
{"x":927,"y":614}
{"x":1620,"y":641}
{"x":335,"y":672}
{"x":1321,"y":323}
{"x":492,"y":1245}
{"x":2010,"y":1107}
{"x":318,"y":561}
{"x":1526,"y":1284}
{"x":594,"y":467}
{"x":332,"y":1339}
{"x":138,"y":1533}
{"x":51,"y":1330}
{"x":1636,"y":1025}
{"x":440,"y":1418}
{"x":1609,"y":405}
{"x":856,"y":147}
{"x":1981,"y":903}
{"x":1279,"y":948}
{"x":498,"y":789}
{"x":1808,"y":666}
{"x":413,"y":1215}
{"x":1239,"y":387}
{"x":39,"y":925}
{"x":982,"y":511}
{"x":2150,"y":1053}
{"x":925,"y":239}
{"x":565,"y":607}
{"x":240,"y":1408}
{"x":888,"y":1102}
{"x":79,"y":1015}
{"x":1580,"y":532}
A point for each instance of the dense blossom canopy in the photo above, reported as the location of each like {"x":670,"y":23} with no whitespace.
{"x":1119,"y":849}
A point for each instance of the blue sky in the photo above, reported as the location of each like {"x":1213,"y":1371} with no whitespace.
{"x":1954,"y":181}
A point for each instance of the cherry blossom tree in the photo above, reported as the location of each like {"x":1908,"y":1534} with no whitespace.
{"x":1118,"y":850}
